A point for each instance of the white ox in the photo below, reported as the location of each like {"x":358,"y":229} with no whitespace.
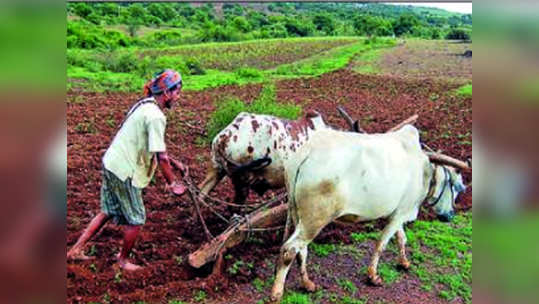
{"x":251,"y":150}
{"x":351,"y":177}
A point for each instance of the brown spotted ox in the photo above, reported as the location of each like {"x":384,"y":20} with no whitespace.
{"x":350,"y":177}
{"x":251,"y":150}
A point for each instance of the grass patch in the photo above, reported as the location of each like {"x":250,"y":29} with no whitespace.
{"x":127,"y":70}
{"x":464,"y":91}
{"x":350,"y":300}
{"x":258,"y":284}
{"x":296,"y":298}
{"x":363,"y":236}
{"x":322,"y":250}
{"x":347,"y":285}
{"x":388,"y":272}
{"x":442,"y":254}
{"x":199,"y":296}
{"x":266,"y":103}
{"x":367,"y":63}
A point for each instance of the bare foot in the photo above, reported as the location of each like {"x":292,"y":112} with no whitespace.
{"x":78,"y":255}
{"x":125,"y":265}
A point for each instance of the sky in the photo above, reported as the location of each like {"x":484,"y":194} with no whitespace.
{"x":465,"y":8}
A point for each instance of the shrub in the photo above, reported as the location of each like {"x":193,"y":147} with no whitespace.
{"x":265,"y":104}
{"x":224,"y":114}
{"x":119,"y":62}
{"x":248,"y":73}
{"x":166,"y":37}
{"x":194,"y":66}
{"x":458,"y":34}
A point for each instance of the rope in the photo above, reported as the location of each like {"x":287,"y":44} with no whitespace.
{"x":236,"y":219}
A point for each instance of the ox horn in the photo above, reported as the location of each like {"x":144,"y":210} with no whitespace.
{"x":354,"y":125}
{"x":447,"y":160}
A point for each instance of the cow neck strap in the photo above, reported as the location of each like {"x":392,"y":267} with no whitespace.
{"x":433,"y":183}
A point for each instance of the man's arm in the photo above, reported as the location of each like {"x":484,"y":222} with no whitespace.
{"x":164,"y":163}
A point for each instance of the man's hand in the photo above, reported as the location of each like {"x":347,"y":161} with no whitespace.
{"x":176,"y":188}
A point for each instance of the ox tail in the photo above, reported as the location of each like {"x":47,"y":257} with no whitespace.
{"x":292,"y":214}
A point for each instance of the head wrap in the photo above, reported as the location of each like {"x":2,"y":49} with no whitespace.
{"x":162,"y":81}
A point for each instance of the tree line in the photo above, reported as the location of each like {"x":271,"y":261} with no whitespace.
{"x":89,"y":24}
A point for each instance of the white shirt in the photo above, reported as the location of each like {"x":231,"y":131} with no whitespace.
{"x":131,"y":151}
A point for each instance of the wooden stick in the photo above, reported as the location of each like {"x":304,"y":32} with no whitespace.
{"x":447,"y":160}
{"x":409,"y":120}
{"x":236,"y":234}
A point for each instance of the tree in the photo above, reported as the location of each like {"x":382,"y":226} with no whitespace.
{"x":241,"y":24}
{"x":300,"y":28}
{"x":163,"y":11}
{"x":137,"y":13}
{"x":82,"y":9}
{"x":370,"y":25}
{"x":404,"y":24}
{"x":324,"y":23}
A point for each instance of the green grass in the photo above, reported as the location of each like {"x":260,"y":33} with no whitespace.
{"x":464,"y":91}
{"x":442,"y":254}
{"x":296,"y":298}
{"x":322,"y":250}
{"x":363,"y":236}
{"x":199,"y":296}
{"x":366,"y":63}
{"x":347,"y":285}
{"x":388,"y":272}
{"x":266,"y":103}
{"x":258,"y":284}
{"x":350,"y":300}
{"x":126,"y":71}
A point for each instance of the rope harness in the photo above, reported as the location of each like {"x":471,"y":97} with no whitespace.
{"x":236,"y":220}
{"x":447,"y":181}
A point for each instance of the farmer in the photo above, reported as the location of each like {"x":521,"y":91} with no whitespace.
{"x":130,"y":162}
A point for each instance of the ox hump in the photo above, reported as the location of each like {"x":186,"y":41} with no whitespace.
{"x":409,"y":135}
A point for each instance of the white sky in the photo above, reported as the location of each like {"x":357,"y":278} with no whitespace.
{"x":465,"y":8}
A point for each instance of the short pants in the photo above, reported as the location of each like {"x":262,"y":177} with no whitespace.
{"x":121,"y":201}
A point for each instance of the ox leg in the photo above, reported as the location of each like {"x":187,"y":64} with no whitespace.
{"x":288,"y":252}
{"x":241,"y":191}
{"x":305,"y":281}
{"x":401,"y":237}
{"x":213,"y":177}
{"x":388,"y":232}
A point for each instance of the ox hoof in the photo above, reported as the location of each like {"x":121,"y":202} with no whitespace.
{"x":375,"y":281}
{"x":404,"y":265}
{"x":309,"y":286}
{"x":276,"y":297}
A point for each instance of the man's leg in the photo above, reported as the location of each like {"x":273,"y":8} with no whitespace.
{"x":130,"y":235}
{"x":97,"y":222}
